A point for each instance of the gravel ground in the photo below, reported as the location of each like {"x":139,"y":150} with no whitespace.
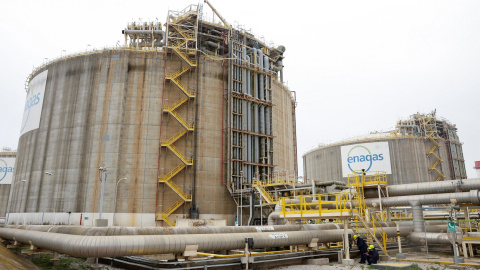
{"x":331,"y":266}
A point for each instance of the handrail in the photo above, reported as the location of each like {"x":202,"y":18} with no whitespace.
{"x":179,"y":155}
{"x":181,"y":120}
{"x":172,"y":173}
{"x":185,"y":197}
{"x":264,"y":192}
{"x":174,"y":138}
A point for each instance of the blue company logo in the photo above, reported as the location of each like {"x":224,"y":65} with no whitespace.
{"x":4,"y":169}
{"x":370,"y":158}
{"x":32,"y":101}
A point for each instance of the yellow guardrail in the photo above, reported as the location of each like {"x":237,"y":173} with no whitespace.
{"x":174,"y":138}
{"x":317,"y":206}
{"x":179,"y":155}
{"x":172,"y":173}
{"x":359,"y":178}
{"x":185,"y":197}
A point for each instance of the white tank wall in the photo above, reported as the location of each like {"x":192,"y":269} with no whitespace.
{"x":407,"y":156}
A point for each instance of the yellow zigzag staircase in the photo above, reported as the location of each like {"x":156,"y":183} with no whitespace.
{"x":179,"y":27}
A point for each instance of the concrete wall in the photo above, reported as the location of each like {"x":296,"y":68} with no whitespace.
{"x":101,"y":109}
{"x":407,"y":156}
{"x":284,"y":145}
{"x":105,"y":109}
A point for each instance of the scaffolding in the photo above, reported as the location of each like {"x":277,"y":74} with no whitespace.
{"x":435,"y":132}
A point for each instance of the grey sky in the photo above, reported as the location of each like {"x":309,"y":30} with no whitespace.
{"x":356,"y":66}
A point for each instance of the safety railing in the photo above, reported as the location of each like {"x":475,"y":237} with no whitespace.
{"x":179,"y":155}
{"x":360,"y":178}
{"x":172,"y":173}
{"x":181,"y":120}
{"x":317,"y":206}
{"x":181,"y":87}
{"x":178,"y":73}
{"x":174,"y":138}
{"x":179,"y":191}
{"x":265,"y":193}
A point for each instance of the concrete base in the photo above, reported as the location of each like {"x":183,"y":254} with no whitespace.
{"x":401,"y":256}
{"x":347,"y":262}
{"x":101,"y":222}
{"x":384,"y":258}
{"x":458,"y":260}
{"x":321,"y":261}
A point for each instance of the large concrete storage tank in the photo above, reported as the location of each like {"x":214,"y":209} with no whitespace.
{"x":421,"y":149}
{"x":175,"y":117}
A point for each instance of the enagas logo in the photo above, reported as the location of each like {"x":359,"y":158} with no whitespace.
{"x":32,"y":100}
{"x":361,"y":158}
{"x":4,"y":169}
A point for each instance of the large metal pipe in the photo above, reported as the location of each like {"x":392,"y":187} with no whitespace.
{"x":430,"y":238}
{"x":133,"y":245}
{"x":432,"y":226}
{"x":417,"y":216}
{"x":118,"y":246}
{"x":144,"y":32}
{"x":429,"y":188}
{"x":460,"y":197}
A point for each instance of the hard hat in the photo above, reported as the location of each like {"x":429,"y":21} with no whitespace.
{"x":371,"y":247}
{"x":355,"y":236}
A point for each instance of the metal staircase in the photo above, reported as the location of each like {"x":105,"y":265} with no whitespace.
{"x":265,"y":194}
{"x":359,"y":180}
{"x":430,"y":128}
{"x":182,"y":42}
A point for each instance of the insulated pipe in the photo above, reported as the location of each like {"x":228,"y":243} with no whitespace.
{"x":261,"y":86}
{"x":127,"y":245}
{"x":267,"y":121}
{"x":430,"y":187}
{"x":434,"y":226}
{"x":430,"y":238}
{"x":212,"y":44}
{"x":143,"y":32}
{"x":471,"y":197}
{"x":248,"y":92}
{"x":417,"y":216}
{"x":244,"y":71}
{"x":461,"y":197}
{"x":262,"y":119}
{"x":118,"y":246}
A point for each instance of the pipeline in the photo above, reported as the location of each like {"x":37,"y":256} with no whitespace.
{"x":445,"y":198}
{"x":430,"y":238}
{"x":429,"y":188}
{"x":135,"y":245}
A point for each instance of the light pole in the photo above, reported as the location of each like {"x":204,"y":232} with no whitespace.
{"x":115,"y":203}
{"x":104,"y":171}
{"x":10,"y":198}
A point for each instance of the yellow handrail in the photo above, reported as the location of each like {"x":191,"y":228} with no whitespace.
{"x":173,"y":138}
{"x":185,"y":197}
{"x":172,"y":173}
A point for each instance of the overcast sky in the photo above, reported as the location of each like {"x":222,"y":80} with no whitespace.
{"x":356,"y":66}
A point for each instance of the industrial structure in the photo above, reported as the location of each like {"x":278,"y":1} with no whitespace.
{"x":7,"y":162}
{"x":368,"y":208}
{"x":190,"y":119}
{"x":178,"y":123}
{"x":422,"y":148}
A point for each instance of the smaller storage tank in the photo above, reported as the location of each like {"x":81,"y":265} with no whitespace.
{"x":421,"y":149}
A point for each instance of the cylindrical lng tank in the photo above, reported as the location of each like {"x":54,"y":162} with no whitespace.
{"x":110,"y":109}
{"x":404,"y":158}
